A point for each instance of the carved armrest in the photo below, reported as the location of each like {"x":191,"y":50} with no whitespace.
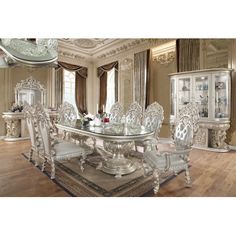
{"x":183,"y":154}
{"x":152,"y":158}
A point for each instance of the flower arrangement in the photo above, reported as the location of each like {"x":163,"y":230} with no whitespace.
{"x":16,"y":108}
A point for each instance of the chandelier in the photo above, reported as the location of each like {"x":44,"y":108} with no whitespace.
{"x":30,"y":51}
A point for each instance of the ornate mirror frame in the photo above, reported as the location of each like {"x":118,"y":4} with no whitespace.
{"x":30,"y":84}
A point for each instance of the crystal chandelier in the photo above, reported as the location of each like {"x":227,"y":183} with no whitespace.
{"x":30,"y":51}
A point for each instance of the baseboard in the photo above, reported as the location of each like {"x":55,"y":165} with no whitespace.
{"x":2,"y":137}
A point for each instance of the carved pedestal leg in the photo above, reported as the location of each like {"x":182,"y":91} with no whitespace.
{"x":156,"y":182}
{"x":118,"y":165}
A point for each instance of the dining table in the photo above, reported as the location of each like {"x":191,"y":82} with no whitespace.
{"x":117,"y":140}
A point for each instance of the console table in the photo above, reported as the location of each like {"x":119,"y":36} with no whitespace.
{"x":15,"y":126}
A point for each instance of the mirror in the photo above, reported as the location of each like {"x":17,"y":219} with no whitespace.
{"x":30,"y":91}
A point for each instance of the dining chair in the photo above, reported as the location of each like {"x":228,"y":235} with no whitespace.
{"x":162,"y":163}
{"x":134,"y":115}
{"x":116,"y":113}
{"x":67,"y":116}
{"x":152,"y":121}
{"x":33,"y":132}
{"x":56,"y":151}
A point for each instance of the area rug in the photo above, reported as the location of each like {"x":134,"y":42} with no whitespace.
{"x":95,"y":183}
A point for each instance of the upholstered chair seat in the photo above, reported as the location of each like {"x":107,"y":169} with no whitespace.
{"x":152,"y":120}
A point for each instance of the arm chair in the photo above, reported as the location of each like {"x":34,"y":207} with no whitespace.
{"x":162,"y":163}
{"x":152,"y":120}
{"x":56,"y":151}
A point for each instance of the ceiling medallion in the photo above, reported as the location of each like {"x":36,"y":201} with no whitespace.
{"x":30,"y":51}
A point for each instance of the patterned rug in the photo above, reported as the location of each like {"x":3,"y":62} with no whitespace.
{"x":95,"y":183}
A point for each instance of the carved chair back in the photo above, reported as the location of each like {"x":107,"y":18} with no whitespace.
{"x":43,"y":124}
{"x":187,"y":126}
{"x":30,"y":122}
{"x":116,"y":113}
{"x":67,"y":114}
{"x":134,"y":115}
{"x":184,"y":134}
{"x":153,"y":117}
{"x":191,"y":110}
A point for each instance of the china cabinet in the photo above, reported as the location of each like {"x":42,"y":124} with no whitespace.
{"x":211,"y":90}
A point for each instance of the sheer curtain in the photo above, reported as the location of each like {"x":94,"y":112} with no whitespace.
{"x":102,"y":75}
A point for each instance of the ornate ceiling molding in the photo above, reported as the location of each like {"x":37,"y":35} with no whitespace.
{"x":120,"y":49}
{"x":165,"y":53}
{"x":166,"y":58}
{"x":106,"y":49}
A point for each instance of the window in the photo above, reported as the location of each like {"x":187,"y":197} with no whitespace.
{"x":69,"y":88}
{"x":111,"y":97}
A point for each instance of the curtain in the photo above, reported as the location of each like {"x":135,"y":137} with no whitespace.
{"x":188,"y":54}
{"x":148,"y":83}
{"x":81,"y":74}
{"x":58,"y":86}
{"x":142,"y":78}
{"x":102,"y":75}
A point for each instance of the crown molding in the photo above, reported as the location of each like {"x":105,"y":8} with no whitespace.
{"x":120,"y":48}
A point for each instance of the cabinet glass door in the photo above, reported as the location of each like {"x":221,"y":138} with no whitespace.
{"x":202,"y":95}
{"x":221,"y":96}
{"x":184,"y":87}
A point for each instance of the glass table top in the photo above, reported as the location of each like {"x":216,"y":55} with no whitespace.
{"x":113,"y":130}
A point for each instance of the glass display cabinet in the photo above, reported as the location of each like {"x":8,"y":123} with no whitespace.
{"x":211,"y":90}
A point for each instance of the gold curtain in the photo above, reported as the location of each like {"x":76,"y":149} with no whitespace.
{"x":58,"y":86}
{"x":188,"y":54}
{"x":102,"y":75}
{"x":142,"y":77}
{"x":81,"y":74}
{"x":148,"y":81}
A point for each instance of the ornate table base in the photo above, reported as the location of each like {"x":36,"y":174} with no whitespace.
{"x":117,"y":164}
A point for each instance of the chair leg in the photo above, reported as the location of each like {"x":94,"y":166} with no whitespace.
{"x":36,"y":160}
{"x":82,"y":161}
{"x":31,"y":154}
{"x":53,"y":170}
{"x":156,"y":182}
{"x":43,"y":165}
{"x":188,"y":178}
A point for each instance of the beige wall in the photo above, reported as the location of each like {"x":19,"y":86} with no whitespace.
{"x":9,"y":77}
{"x":160,"y":91}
